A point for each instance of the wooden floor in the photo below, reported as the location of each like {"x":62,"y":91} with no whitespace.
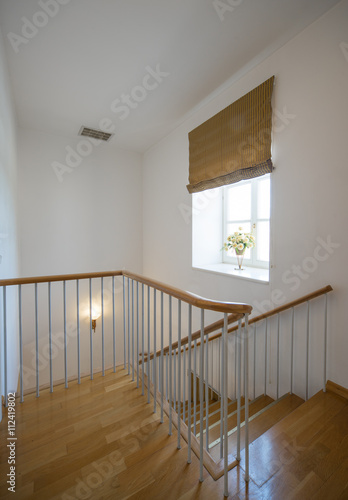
{"x":101,"y":440}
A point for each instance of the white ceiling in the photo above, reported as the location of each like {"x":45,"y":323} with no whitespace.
{"x":91,"y":52}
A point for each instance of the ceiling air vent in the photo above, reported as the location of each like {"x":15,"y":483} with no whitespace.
{"x":95,"y":134}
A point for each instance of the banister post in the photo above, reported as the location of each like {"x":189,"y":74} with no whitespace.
{"x":246,"y":396}
{"x":225,"y":362}
{"x":201,"y":397}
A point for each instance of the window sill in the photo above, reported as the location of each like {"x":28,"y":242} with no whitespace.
{"x":247,"y":273}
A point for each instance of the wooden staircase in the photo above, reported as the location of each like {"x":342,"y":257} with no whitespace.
{"x":309,"y":452}
{"x":264,"y":413}
{"x":101,"y":440}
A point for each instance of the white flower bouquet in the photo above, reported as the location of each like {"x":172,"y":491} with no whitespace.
{"x":239,"y":241}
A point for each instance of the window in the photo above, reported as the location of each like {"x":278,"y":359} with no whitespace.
{"x":218,"y":212}
{"x":246,"y":204}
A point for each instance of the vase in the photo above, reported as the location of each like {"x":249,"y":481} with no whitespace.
{"x":240,"y":257}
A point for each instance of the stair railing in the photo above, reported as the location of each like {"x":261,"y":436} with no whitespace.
{"x":306,"y":299}
{"x":168,"y":376}
{"x":146,"y":321}
{"x":260,"y":374}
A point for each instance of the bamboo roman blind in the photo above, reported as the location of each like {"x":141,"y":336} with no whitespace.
{"x":235,"y":144}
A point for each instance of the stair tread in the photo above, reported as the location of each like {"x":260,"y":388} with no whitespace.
{"x":263,"y":422}
{"x":212,"y":404}
{"x":254,"y":407}
{"x":307,"y":427}
{"x":214,"y":416}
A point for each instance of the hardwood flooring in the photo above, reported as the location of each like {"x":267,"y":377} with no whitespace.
{"x":101,"y":440}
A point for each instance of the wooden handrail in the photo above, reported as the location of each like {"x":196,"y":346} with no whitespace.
{"x":285,"y":307}
{"x":277,"y":310}
{"x":190,"y":298}
{"x":232,"y":319}
{"x":58,"y":277}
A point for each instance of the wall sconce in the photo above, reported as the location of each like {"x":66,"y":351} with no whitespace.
{"x":95,"y":316}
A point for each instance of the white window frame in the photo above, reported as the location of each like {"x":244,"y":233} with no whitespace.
{"x":252,"y":261}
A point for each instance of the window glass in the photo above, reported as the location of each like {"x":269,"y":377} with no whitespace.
{"x":239,"y":202}
{"x":263,"y":199}
{"x":247,"y":205}
{"x":262,"y":247}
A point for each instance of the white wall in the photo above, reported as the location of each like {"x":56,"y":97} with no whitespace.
{"x":8,"y":220}
{"x":309,"y":185}
{"x":90,"y":221}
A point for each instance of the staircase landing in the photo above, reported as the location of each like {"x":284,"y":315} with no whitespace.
{"x":101,"y":440}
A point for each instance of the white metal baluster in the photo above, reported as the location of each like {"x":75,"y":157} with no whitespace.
{"x":162,"y":360}
{"x":325,"y":345}
{"x":50,"y":334}
{"x":77,"y":329}
{"x":212,"y":369}
{"x":246,"y":397}
{"x":189,"y":385}
{"x":239,"y":377}
{"x":174,"y":360}
{"x":90,"y":328}
{"x":128,"y":329}
{"x":167,"y":377}
{"x":221,"y":377}
{"x":235,"y":366}
{"x":21,"y":341}
{"x":292,"y":350}
{"x":65,"y":338}
{"x":133,"y":330}
{"x":36,"y":343}
{"x":170,"y":365}
{"x":102,"y":311}
{"x":142,"y":339}
{"x":154,"y":364}
{"x":179,"y":372}
{"x":5,"y":347}
{"x":124,"y":324}
{"x":224,"y":363}
{"x":254,"y":372}
{"x":194,"y":385}
{"x":184,"y":388}
{"x":278,"y":355}
{"x":219,"y":363}
{"x":266,"y":347}
{"x":307,"y":352}
{"x":148,"y":344}
{"x":137,"y":353}
{"x":113,"y":323}
{"x":201,"y":397}
{"x":206,"y":394}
